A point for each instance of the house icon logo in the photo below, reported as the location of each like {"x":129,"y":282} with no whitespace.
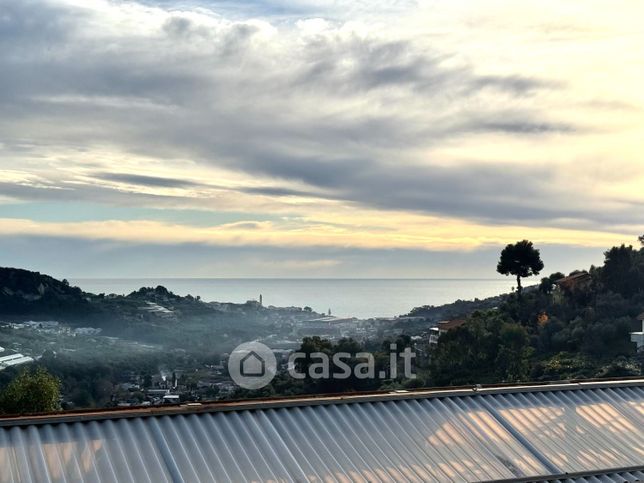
{"x":252,"y":365}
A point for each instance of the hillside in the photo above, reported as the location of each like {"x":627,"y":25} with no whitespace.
{"x":24,"y":292}
{"x":567,"y":327}
{"x":150,"y":314}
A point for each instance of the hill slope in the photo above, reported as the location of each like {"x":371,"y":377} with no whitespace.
{"x":26,"y":292}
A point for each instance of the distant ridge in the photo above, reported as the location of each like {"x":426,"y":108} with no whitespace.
{"x":24,"y":291}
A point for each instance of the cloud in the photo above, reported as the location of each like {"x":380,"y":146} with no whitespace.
{"x":153,"y":181}
{"x":273,"y":109}
{"x":402,"y":233}
{"x":282,"y":192}
{"x":228,"y":83}
{"x":247,"y":225}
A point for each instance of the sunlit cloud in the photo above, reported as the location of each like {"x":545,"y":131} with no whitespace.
{"x":417,"y":233}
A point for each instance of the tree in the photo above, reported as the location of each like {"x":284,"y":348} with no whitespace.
{"x":521,"y":260}
{"x":623,"y":271}
{"x":488,"y":348}
{"x":512,"y":360}
{"x":641,"y":239}
{"x":34,"y":391}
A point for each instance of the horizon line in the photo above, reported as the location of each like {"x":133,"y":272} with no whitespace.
{"x":292,"y":278}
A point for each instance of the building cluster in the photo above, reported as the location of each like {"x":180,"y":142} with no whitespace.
{"x":328,"y":327}
{"x":53,"y":327}
{"x":158,"y":310}
{"x":172,"y":386}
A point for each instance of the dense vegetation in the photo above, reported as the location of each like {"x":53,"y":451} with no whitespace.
{"x":578,"y":328}
{"x":34,"y":391}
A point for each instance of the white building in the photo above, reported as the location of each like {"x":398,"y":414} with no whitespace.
{"x":14,"y":360}
{"x":638,"y":337}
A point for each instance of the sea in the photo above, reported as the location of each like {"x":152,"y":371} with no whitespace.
{"x":362,"y":298}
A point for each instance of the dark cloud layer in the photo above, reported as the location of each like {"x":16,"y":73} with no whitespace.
{"x":153,"y":181}
{"x":220,"y":93}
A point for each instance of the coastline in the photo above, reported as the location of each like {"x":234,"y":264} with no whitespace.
{"x":361,"y":298}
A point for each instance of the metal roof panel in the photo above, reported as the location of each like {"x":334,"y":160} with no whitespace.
{"x":468,"y":437}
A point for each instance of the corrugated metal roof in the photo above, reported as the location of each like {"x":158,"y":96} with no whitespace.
{"x":620,"y":477}
{"x":469,"y":436}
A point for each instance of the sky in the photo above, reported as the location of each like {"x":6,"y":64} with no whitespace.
{"x":317,"y":138}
